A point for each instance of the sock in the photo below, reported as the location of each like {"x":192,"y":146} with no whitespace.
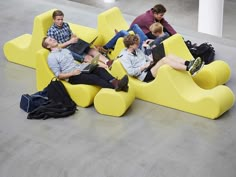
{"x":187,"y":64}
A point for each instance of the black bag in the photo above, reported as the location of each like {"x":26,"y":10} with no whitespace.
{"x":30,"y":102}
{"x":205,"y":50}
{"x":59,"y":105}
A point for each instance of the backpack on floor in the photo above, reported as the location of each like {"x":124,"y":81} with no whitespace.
{"x":205,"y":50}
{"x":59,"y":103}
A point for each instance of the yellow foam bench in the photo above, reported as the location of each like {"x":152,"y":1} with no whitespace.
{"x":176,"y":89}
{"x":22,"y":50}
{"x":83,"y":95}
{"x":112,"y":103}
{"x":108,"y":21}
{"x":211,"y":75}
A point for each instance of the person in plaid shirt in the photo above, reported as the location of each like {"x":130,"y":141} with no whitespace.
{"x":62,"y":33}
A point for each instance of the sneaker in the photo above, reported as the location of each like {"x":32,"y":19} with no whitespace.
{"x":196,"y":66}
{"x":122,"y":84}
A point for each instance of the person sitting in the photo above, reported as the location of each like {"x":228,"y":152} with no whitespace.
{"x":136,"y":63}
{"x":61,"y":31}
{"x":63,"y":65}
{"x":155,"y":14}
{"x":157,"y":30}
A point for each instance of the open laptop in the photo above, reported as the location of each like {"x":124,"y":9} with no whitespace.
{"x":89,"y":67}
{"x":158,"y":53}
{"x":81,"y":46}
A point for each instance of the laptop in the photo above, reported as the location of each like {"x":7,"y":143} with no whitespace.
{"x":89,"y":67}
{"x":158,"y":53}
{"x":81,"y":46}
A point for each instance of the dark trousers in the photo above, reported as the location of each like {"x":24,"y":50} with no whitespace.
{"x":98,"y":76}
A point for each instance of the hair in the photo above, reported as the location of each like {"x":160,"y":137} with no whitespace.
{"x":159,"y":8}
{"x":156,"y":28}
{"x":57,"y":13}
{"x":45,"y":44}
{"x":131,"y":39}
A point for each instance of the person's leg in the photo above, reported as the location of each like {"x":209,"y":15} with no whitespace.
{"x":104,"y":62}
{"x":111,"y":44}
{"x":169,"y":61}
{"x":102,"y":78}
{"x":137,"y":30}
{"x":118,"y":85}
{"x":90,"y":79}
{"x":77,"y":57}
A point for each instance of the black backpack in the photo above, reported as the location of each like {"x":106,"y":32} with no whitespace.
{"x":205,"y":50}
{"x":59,"y":103}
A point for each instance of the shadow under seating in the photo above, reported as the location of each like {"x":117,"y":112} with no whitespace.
{"x":22,"y":50}
{"x":176,"y":89}
{"x":83,"y":95}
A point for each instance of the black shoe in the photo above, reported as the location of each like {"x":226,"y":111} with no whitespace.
{"x":122,"y":84}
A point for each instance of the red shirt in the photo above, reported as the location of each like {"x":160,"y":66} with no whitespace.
{"x":147,"y":19}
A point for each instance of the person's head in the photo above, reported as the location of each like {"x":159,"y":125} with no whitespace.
{"x":58,"y":17}
{"x":156,"y":29}
{"x":158,"y":11}
{"x":131,"y":41}
{"x":49,"y":43}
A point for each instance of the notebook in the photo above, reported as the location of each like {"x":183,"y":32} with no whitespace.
{"x":81,"y":46}
{"x":158,"y":53}
{"x":89,"y":67}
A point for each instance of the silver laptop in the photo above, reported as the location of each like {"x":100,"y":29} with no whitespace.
{"x":89,"y":67}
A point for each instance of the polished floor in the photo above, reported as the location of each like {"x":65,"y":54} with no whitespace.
{"x":148,"y":141}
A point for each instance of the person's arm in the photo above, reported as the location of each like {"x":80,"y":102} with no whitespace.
{"x":68,"y":75}
{"x":130,"y":68}
{"x":168,"y":27}
{"x":72,"y":40}
{"x":56,"y":69}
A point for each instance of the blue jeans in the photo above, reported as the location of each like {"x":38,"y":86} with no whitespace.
{"x":135,"y":28}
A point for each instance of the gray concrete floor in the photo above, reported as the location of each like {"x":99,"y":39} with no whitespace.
{"x":149,"y":140}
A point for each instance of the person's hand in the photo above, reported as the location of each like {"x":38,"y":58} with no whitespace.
{"x":76,"y":72}
{"x":149,"y":41}
{"x":73,"y":40}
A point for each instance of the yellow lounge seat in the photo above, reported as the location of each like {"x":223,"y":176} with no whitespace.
{"x":108,"y":21}
{"x":176,"y":89}
{"x":112,"y":103}
{"x":83,"y":95}
{"x":22,"y":50}
{"x":211,"y":75}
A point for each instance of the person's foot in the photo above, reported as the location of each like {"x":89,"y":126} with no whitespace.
{"x":116,"y":31}
{"x":195,"y":66}
{"x":122,"y":84}
{"x":102,"y":50}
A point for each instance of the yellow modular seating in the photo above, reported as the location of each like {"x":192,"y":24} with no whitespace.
{"x":22,"y":50}
{"x":108,"y":21}
{"x":176,"y":89}
{"x":112,"y":103}
{"x":211,"y":75}
{"x":83,"y":95}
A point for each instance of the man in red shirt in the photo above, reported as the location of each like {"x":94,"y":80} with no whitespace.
{"x":155,"y":14}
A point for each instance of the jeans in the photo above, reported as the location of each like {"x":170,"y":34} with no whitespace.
{"x":135,"y":28}
{"x":99,"y":77}
{"x":77,"y":56}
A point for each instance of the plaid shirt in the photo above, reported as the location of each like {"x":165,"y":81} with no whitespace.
{"x":62,"y":34}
